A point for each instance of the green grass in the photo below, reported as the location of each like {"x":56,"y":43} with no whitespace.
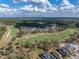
{"x":13,"y":31}
{"x":47,"y":37}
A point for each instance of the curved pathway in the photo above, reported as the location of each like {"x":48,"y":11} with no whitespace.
{"x":6,"y":38}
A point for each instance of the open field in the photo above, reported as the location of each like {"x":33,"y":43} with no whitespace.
{"x":46,"y":37}
{"x":13,"y":31}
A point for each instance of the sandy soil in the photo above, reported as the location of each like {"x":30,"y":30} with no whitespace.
{"x":6,"y":38}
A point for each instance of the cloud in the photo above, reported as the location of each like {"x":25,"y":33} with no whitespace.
{"x":33,"y":1}
{"x":66,"y":5}
{"x":4,"y":5}
{"x":30,"y":8}
{"x":39,"y":2}
{"x":5,"y":9}
{"x":43,"y":2}
{"x":66,"y":2}
{"x":45,"y":6}
{"x":16,"y":1}
{"x":38,"y":6}
{"x":27,"y":8}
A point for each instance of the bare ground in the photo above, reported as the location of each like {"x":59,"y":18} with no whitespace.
{"x":6,"y":38}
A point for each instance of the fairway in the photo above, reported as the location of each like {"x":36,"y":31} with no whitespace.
{"x":47,"y":37}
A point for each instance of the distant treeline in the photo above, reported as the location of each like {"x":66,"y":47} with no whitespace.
{"x":18,"y":22}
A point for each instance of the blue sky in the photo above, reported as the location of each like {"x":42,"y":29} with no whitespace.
{"x":11,"y":4}
{"x":56,"y":2}
{"x":36,"y":8}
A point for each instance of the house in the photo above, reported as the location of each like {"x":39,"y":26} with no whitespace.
{"x":63,"y":51}
{"x":56,"y":55}
{"x":47,"y":55}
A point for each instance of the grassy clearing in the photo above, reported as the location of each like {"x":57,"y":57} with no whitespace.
{"x":47,"y":37}
{"x":13,"y":31}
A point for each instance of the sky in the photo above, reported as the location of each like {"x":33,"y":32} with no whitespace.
{"x":39,"y":8}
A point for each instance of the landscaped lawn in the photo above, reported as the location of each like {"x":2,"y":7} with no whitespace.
{"x":47,"y":37}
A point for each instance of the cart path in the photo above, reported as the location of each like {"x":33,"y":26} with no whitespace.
{"x":6,"y":38}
